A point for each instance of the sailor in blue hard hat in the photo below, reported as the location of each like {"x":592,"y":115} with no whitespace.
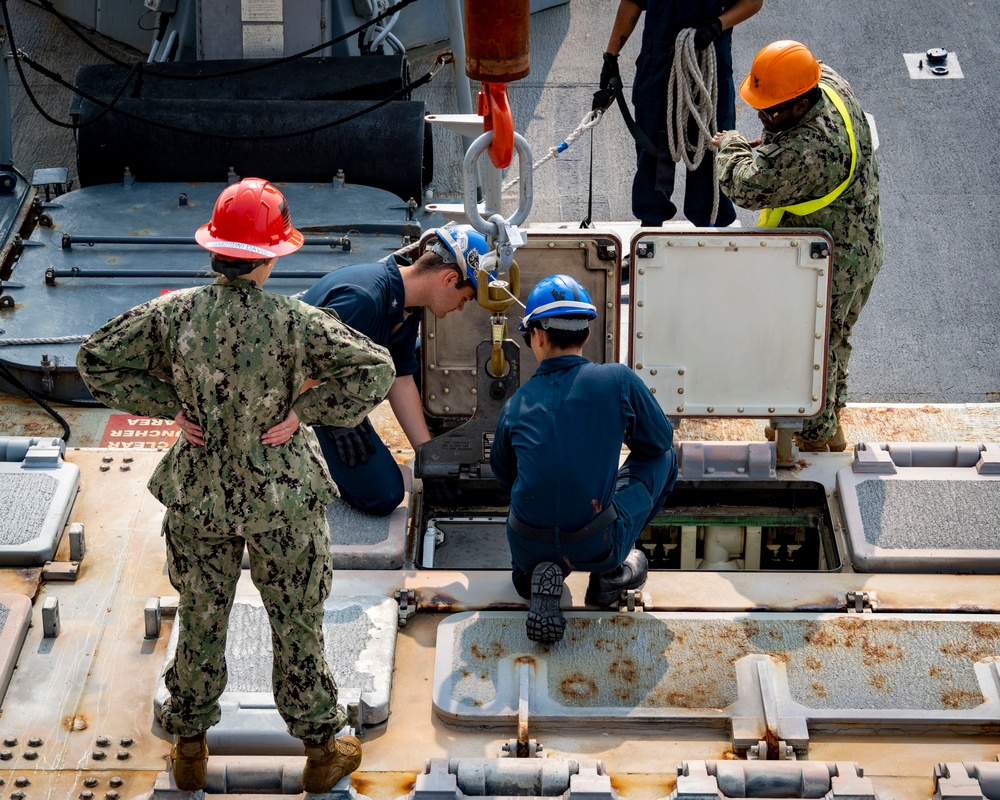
{"x":385,"y":301}
{"x":557,"y":449}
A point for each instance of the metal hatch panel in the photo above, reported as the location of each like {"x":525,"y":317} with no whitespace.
{"x":38,"y":489}
{"x":360,"y":639}
{"x":448,"y":354}
{"x":922,"y":507}
{"x":70,"y":280}
{"x":787,"y":673}
{"x":731,"y":323}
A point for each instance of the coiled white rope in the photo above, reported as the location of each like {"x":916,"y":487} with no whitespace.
{"x":590,"y":121}
{"x":692,"y":96}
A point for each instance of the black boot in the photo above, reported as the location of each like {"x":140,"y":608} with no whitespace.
{"x":604,"y":590}
{"x":546,"y":623}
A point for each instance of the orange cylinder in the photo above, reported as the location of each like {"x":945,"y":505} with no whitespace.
{"x":497,"y":34}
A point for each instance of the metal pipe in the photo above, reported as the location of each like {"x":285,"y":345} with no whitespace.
{"x":463,"y":88}
{"x":75,"y":272}
{"x":68,"y":240}
{"x":6,"y":139}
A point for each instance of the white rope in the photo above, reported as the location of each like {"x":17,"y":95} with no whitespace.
{"x":590,"y":121}
{"x":692,"y":96}
{"x":50,"y":340}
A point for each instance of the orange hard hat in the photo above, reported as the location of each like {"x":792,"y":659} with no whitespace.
{"x":781,"y":71}
{"x":250,"y":221}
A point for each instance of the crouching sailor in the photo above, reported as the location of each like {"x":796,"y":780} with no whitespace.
{"x":557,"y":450}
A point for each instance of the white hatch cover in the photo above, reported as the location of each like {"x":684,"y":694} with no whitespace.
{"x":791,"y":673}
{"x":923,"y":507}
{"x":731,"y":323}
{"x":38,"y":489}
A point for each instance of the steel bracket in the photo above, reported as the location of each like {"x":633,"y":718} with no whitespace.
{"x":872,"y":459}
{"x":975,"y":780}
{"x":860,"y":602}
{"x":407,"y":599}
{"x":716,"y":780}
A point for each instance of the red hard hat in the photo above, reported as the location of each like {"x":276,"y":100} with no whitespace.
{"x":250,"y":221}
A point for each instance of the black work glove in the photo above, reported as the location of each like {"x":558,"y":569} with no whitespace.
{"x":354,"y":445}
{"x":611,"y":80}
{"x":706,"y":31}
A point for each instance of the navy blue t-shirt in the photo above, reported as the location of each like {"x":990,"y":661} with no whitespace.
{"x":369,"y":298}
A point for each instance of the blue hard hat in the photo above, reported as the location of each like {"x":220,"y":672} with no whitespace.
{"x":559,"y":296}
{"x":462,"y":245}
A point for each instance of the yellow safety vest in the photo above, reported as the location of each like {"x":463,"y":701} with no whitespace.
{"x":771,"y":217}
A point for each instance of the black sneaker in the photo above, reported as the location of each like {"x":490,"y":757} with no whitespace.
{"x":546,"y":623}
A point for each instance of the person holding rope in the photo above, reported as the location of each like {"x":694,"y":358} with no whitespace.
{"x":711,"y":23}
{"x":814,"y":168}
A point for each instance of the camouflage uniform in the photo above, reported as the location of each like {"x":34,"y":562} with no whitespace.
{"x":807,"y":162}
{"x":233,"y":358}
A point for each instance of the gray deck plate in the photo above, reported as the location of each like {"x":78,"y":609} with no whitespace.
{"x":37,"y":505}
{"x":955,"y":530}
{"x":875,"y":671}
{"x":360,"y":638}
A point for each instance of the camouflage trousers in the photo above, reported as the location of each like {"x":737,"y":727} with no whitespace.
{"x":845,"y":308}
{"x":292,"y":568}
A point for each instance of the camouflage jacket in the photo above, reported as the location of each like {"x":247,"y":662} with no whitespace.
{"x":807,"y":162}
{"x":233,"y":358}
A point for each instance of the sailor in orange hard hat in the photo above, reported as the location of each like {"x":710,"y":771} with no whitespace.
{"x":814,"y":167}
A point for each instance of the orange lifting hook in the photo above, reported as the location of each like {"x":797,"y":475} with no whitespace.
{"x":494,"y":108}
{"x":496,"y":53}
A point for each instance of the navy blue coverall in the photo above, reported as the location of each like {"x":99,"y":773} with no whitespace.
{"x":557,"y":448}
{"x":651,"y":203}
{"x":369,"y":298}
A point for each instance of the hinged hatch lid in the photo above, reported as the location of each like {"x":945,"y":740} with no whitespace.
{"x":731,"y":323}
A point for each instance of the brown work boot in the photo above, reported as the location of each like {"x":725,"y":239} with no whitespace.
{"x":838,"y":442}
{"x":330,"y":761}
{"x":811,"y":447}
{"x":189,"y":762}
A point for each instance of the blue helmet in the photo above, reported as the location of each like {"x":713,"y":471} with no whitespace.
{"x":557,"y":297}
{"x":462,"y":245}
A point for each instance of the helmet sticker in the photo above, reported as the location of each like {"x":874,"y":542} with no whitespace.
{"x":472,"y":259}
{"x":260,"y":251}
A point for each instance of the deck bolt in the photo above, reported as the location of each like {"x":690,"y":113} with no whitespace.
{"x":115,"y":782}
{"x":30,"y":755}
{"x":34,"y":742}
{"x":770,"y":410}
{"x":107,"y":459}
{"x":122,"y":755}
{"x":112,"y":795}
{"x":86,"y":795}
{"x":22,"y":781}
{"x":126,"y":741}
{"x":103,"y":741}
{"x":105,"y":467}
{"x":124,"y":468}
{"x":10,"y":741}
{"x":17,"y":796}
{"x":99,"y":755}
{"x":128,"y":459}
{"x":6,"y":755}
{"x":90,"y":782}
